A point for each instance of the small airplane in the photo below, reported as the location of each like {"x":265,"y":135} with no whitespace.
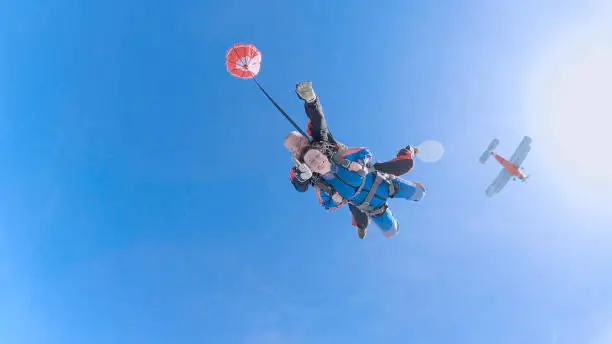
{"x":511,"y":169}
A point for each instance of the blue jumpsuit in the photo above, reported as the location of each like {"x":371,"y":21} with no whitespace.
{"x":318,"y":129}
{"x":347,"y":183}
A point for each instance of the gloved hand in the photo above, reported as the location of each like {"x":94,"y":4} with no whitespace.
{"x":413,"y":150}
{"x":337,"y":198}
{"x":305,"y":91}
{"x":305,"y":172}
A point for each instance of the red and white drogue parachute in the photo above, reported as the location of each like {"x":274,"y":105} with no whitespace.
{"x":243,"y":61}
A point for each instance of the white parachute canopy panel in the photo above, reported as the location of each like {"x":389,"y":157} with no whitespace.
{"x":430,"y":151}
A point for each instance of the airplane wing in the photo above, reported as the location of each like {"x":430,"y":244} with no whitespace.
{"x":521,"y":157}
{"x":521,"y":151}
{"x":498,"y":183}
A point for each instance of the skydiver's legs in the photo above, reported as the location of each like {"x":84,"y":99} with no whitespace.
{"x":360,"y":220}
{"x":387,"y":223}
{"x":402,"y":164}
{"x":408,"y":190}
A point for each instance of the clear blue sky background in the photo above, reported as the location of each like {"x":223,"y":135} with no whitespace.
{"x":144,"y":192}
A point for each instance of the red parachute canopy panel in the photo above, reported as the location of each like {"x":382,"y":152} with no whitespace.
{"x":243,"y":60}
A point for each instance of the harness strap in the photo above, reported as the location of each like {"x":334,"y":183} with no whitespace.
{"x":377,"y":181}
{"x":321,"y":183}
{"x":339,"y":160}
{"x":378,"y":211}
{"x":363,"y":182}
{"x":358,"y":191}
{"x":392,"y":188}
{"x":380,"y":177}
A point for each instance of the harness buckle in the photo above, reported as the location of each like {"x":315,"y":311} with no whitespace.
{"x":378,"y":211}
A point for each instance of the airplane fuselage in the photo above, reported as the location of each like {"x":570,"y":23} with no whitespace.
{"x":513,"y":169}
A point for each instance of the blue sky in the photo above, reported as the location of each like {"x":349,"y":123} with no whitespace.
{"x":144,"y":192}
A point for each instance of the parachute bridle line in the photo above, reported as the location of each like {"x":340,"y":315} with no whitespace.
{"x":245,"y":69}
{"x":297,"y":127}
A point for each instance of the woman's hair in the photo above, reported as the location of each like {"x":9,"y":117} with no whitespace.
{"x":303,"y":152}
{"x":323,"y":147}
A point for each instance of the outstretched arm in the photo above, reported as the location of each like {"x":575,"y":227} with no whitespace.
{"x":402,"y":164}
{"x":317,"y":125}
{"x":298,"y":184}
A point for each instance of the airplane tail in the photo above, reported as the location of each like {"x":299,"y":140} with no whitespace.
{"x":485,"y":155}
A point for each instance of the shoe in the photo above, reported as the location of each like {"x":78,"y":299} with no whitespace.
{"x":361,"y":232}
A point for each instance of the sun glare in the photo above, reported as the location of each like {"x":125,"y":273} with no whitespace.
{"x":431,"y":151}
{"x":570,"y":110}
